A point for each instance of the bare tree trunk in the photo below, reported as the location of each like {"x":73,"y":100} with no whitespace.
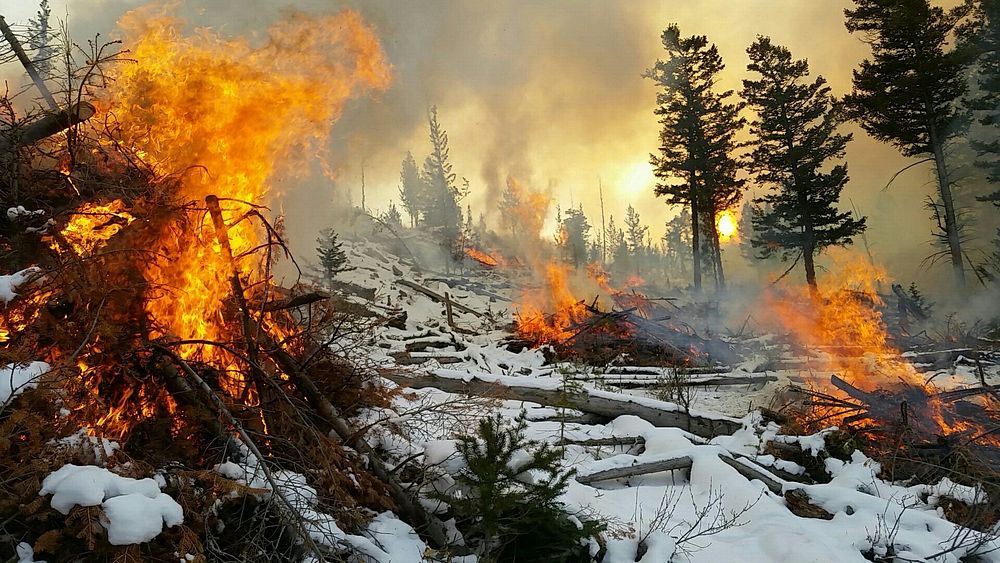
{"x":950,"y":217}
{"x":695,"y":236}
{"x":713,"y":229}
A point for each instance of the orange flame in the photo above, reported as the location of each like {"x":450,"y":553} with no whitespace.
{"x":232,"y":118}
{"x":482,"y":257}
{"x":92,"y":225}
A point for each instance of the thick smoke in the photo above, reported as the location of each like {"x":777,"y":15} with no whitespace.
{"x":551,"y":92}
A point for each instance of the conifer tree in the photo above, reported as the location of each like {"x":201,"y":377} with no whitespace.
{"x":412,"y":189}
{"x":696,"y":166}
{"x":332,"y":258}
{"x":575,"y":230}
{"x":982,"y":41}
{"x":636,"y":233}
{"x":906,"y":94}
{"x":442,"y":210}
{"x":794,"y":139}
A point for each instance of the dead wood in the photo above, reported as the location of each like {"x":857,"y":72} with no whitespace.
{"x":798,"y":502}
{"x":437,"y":297}
{"x":684,"y":462}
{"x":660,"y":466}
{"x":590,"y":401}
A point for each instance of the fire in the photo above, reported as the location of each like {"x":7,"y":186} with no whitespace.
{"x":727,"y":225}
{"x":534,"y":321}
{"x":231,"y":118}
{"x":482,"y":257}
{"x":92,"y":225}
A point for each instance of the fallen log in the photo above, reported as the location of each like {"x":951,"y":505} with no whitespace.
{"x":550,"y":391}
{"x":46,"y":126}
{"x":683,"y":462}
{"x":626,"y":382}
{"x":437,"y":297}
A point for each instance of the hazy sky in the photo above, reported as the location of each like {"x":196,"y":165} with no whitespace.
{"x":551,"y":91}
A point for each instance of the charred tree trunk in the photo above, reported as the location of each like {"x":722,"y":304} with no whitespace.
{"x":713,"y":229}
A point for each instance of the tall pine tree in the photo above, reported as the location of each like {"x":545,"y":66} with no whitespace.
{"x":794,"y":138}
{"x":696,"y":166}
{"x":906,"y":93}
{"x":442,"y":210}
{"x":981,"y":39}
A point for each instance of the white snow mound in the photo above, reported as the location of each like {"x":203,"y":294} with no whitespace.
{"x":135,"y":510}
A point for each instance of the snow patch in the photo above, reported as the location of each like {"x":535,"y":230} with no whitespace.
{"x":135,"y":510}
{"x":15,"y":378}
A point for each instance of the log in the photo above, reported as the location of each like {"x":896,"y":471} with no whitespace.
{"x":593,"y":401}
{"x":676,"y":463}
{"x":48,"y":125}
{"x":625,"y":382}
{"x":614,"y":441}
{"x":660,"y":466}
{"x":437,"y":297}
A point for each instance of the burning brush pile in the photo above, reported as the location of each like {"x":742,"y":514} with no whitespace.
{"x":618,"y":324}
{"x":166,"y":399}
{"x":860,"y":381}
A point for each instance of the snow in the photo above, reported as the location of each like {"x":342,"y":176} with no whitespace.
{"x":135,"y":510}
{"x":10,"y":283}
{"x":15,"y":378}
{"x":25,"y":554}
{"x":14,"y":213}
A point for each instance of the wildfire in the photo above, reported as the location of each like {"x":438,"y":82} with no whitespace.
{"x":727,"y":225}
{"x":231,"y":117}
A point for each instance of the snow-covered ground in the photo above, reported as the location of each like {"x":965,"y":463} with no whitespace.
{"x":710,"y":512}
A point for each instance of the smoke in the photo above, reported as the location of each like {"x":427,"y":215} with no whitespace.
{"x":551,"y":92}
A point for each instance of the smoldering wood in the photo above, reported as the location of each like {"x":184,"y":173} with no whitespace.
{"x":609,"y":405}
{"x":297,"y":301}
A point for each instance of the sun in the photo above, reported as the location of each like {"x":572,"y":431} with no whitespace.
{"x":637,"y":178}
{"x":726,"y":225}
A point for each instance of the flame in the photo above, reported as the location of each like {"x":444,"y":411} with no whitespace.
{"x":482,"y":257}
{"x":535,"y":323}
{"x":845,"y":321}
{"x":231,"y":118}
{"x":91,"y":226}
{"x":727,"y":225}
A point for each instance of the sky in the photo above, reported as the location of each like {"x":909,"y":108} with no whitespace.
{"x":552,"y":93}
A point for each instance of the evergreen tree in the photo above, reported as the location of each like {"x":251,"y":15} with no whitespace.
{"x":696,"y":166}
{"x":906,"y":93}
{"x":41,"y":39}
{"x":636,"y":233}
{"x":332,"y":258}
{"x":677,"y":243}
{"x":981,"y":39}
{"x":575,"y":235}
{"x":393,"y":218}
{"x":442,"y":210}
{"x":510,"y":202}
{"x":412,"y":189}
{"x":506,"y":497}
{"x":794,"y":139}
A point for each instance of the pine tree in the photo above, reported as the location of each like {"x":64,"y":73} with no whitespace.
{"x":677,"y":243}
{"x":442,"y":210}
{"x":412,"y":189}
{"x":332,"y":258}
{"x":635,"y":233}
{"x":393,"y":218}
{"x":906,"y":93}
{"x":41,"y":39}
{"x":981,"y":40}
{"x":794,"y":140}
{"x":696,"y":166}
{"x":510,"y":202}
{"x":576,"y":234}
